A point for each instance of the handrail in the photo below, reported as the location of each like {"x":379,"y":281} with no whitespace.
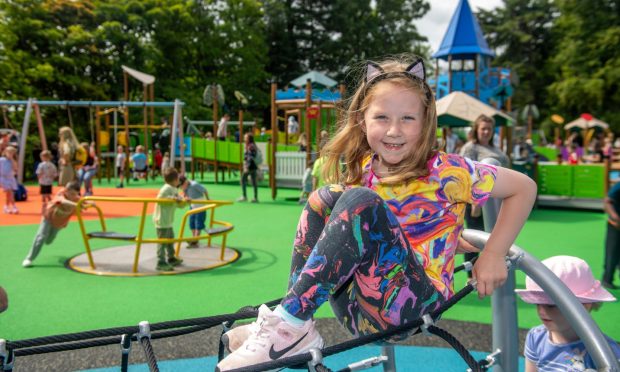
{"x":88,"y":202}
{"x":581,"y":321}
{"x":183,"y":223}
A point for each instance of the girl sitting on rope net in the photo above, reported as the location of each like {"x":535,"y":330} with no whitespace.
{"x":380,"y":244}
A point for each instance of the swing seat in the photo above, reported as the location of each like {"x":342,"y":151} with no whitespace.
{"x":219,"y":230}
{"x":111,"y":235}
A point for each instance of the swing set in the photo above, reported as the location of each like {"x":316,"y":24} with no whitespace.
{"x":33,"y":106}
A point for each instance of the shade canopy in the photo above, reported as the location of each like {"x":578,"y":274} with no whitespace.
{"x":140,"y":76}
{"x":459,"y":109}
{"x":317,"y":79}
{"x":582,"y":123}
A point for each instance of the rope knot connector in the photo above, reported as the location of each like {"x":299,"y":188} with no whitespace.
{"x":428,"y":321}
{"x":144,"y":330}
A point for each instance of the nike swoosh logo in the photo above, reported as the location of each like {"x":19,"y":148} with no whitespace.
{"x":278,"y":354}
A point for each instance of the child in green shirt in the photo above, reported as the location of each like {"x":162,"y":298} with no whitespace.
{"x":164,"y":218}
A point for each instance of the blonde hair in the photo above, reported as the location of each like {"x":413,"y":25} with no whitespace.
{"x":9,"y":151}
{"x":67,"y":136}
{"x":350,"y":144}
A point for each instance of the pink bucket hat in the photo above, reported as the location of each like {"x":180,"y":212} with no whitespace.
{"x":575,"y":274}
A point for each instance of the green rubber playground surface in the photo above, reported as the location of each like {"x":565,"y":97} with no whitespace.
{"x":49,"y":299}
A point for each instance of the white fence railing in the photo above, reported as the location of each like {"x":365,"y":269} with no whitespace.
{"x":290,"y":168}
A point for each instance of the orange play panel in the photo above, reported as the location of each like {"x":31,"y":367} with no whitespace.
{"x":30,"y":211}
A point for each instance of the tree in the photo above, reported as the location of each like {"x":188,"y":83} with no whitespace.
{"x":330,"y":36}
{"x":586,"y":64}
{"x":521,"y":34}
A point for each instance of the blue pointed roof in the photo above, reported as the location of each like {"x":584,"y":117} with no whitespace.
{"x":463,"y":39}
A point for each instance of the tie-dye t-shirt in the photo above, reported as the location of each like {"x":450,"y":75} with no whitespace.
{"x":431,"y":209}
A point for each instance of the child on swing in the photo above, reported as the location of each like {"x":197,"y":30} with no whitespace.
{"x":380,"y":245}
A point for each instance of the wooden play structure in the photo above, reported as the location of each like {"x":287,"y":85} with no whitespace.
{"x":131,"y":260}
{"x":315,"y":109}
{"x":225,"y":155}
{"x":219,"y":155}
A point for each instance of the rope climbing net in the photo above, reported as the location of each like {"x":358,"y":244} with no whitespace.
{"x":144,"y":332}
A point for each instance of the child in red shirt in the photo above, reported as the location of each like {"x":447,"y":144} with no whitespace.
{"x":55,"y":217}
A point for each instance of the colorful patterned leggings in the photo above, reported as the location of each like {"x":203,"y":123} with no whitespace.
{"x":351,"y":250}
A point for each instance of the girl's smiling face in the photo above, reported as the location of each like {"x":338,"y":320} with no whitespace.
{"x":393,"y":122}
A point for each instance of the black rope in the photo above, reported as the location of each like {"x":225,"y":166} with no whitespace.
{"x":67,"y":346}
{"x":362,"y":340}
{"x":150,"y":354}
{"x":463,"y":352}
{"x":207,"y":322}
{"x":39,"y":341}
{"x":102,"y":342}
{"x":179,"y":332}
{"x":125,"y":349}
{"x":461,"y":267}
{"x":30,"y":346}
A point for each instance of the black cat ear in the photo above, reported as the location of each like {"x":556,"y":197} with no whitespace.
{"x":417,"y":69}
{"x":372,"y":71}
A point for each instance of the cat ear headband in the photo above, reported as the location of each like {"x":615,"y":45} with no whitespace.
{"x":415,"y":71}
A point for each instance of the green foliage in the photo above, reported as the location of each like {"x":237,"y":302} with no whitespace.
{"x":565,"y":52}
{"x":522,"y":32}
{"x":587,"y":59}
{"x":74,"y":50}
{"x":331,"y":35}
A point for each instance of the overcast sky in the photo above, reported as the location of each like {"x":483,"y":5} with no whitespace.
{"x":435,"y":22}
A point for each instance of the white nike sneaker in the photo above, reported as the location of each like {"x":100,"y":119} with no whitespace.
{"x":234,"y":338}
{"x":273,"y":339}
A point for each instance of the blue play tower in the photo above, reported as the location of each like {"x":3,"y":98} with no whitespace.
{"x":469,"y":62}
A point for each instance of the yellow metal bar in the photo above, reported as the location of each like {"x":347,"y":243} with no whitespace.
{"x":78,"y":212}
{"x":81,"y":205}
{"x":181,"y":231}
{"x":208,"y":205}
{"x":223,"y":247}
{"x":180,"y":239}
{"x":139,"y":238}
{"x":154,"y":200}
{"x":211,"y":225}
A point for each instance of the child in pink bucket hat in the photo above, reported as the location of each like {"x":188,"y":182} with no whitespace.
{"x":554,"y":345}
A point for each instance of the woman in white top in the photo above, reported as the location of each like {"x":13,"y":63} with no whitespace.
{"x":480,"y":147}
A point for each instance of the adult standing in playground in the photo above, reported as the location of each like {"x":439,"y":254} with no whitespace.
{"x":222,"y":127}
{"x":89,"y":169}
{"x":249,"y":168}
{"x":293,"y":126}
{"x":480,"y":147}
{"x":67,"y":147}
{"x":612,"y":241}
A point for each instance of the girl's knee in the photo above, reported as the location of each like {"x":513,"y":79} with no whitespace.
{"x":325,"y":197}
{"x":360,"y":195}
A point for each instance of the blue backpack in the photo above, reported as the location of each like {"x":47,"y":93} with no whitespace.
{"x":21,"y":194}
